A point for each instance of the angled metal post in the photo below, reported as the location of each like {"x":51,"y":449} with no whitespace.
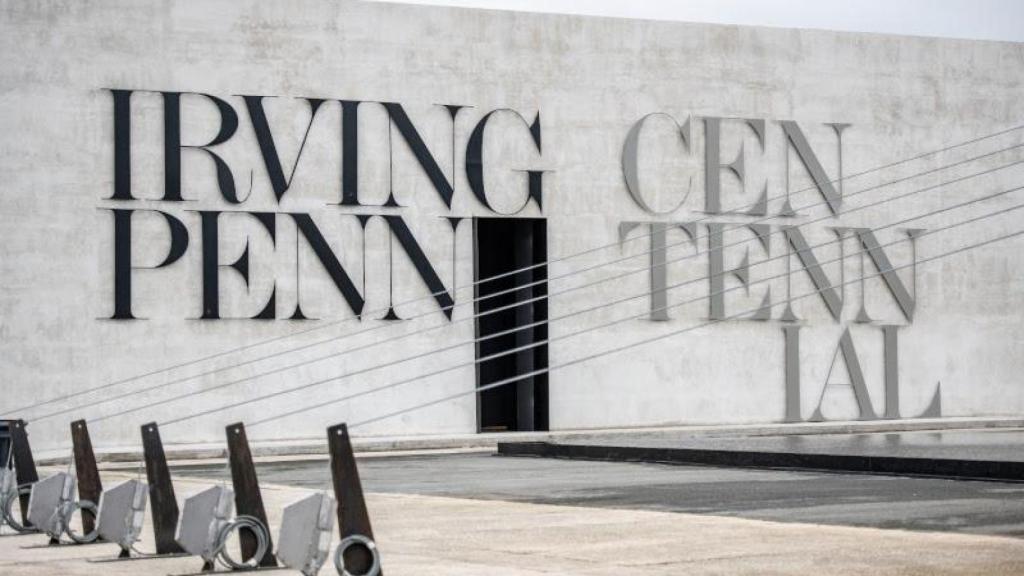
{"x":161,"y":491}
{"x":248,"y":500}
{"x":24,"y":464}
{"x":89,"y":485}
{"x":5,"y":443}
{"x":353,"y":518}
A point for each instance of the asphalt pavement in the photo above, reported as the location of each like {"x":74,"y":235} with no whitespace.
{"x":930,"y":504}
{"x":1000,"y":445}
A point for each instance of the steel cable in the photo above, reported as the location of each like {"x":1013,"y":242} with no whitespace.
{"x":617,"y":321}
{"x":645,"y":341}
{"x":492,"y":311}
{"x":484,"y":280}
{"x":256,"y":528}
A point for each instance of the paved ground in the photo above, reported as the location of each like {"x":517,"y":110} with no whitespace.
{"x":434,"y":535}
{"x":468,"y":514}
{"x":996,"y":444}
{"x":824,"y":498}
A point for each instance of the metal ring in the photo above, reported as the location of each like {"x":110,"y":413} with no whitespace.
{"x":83,"y":506}
{"x":7,"y":509}
{"x":353,"y":540}
{"x":262,"y":543}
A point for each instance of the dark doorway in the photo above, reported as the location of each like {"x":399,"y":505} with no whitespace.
{"x":502,"y":246}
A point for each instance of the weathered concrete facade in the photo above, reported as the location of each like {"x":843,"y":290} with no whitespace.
{"x":581,"y":85}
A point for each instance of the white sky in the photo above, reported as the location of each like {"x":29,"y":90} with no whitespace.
{"x":975,"y":19}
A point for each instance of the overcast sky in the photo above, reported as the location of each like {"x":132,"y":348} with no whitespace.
{"x":978,"y":19}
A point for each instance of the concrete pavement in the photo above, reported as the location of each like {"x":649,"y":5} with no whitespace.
{"x":929,"y":504}
{"x":433,"y":535}
{"x":984,"y":454}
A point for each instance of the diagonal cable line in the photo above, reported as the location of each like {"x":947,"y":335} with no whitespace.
{"x":613,"y":303}
{"x":643,"y":342}
{"x":527,"y":301}
{"x":485,"y":280}
{"x":614,"y":322}
{"x":492,"y":311}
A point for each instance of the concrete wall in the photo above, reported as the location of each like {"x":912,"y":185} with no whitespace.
{"x":591,"y":80}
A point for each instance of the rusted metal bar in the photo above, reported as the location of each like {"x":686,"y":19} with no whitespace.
{"x":24,"y":464}
{"x":353,"y":518}
{"x":248,"y":499}
{"x":89,"y":485}
{"x":161,"y":491}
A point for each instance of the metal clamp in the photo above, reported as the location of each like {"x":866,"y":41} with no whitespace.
{"x":52,"y":504}
{"x":356,"y":540}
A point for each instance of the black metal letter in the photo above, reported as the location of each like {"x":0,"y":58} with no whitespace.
{"x":212,"y":265}
{"x":266,"y":141}
{"x":123,"y":256}
{"x":423,"y":266}
{"x":330,"y":262}
{"x":475,"y":162}
{"x":173,"y":147}
{"x":122,"y":145}
{"x":426,"y":160}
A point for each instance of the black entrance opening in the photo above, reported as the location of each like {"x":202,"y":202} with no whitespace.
{"x":504,"y":245}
